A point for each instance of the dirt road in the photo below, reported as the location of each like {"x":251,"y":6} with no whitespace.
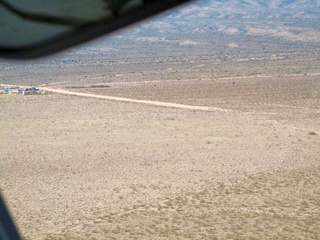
{"x":154,"y":103}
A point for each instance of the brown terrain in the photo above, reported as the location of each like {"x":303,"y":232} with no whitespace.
{"x":216,"y":142}
{"x":87,"y":168}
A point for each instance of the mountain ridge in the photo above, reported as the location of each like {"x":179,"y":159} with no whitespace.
{"x":255,"y":8}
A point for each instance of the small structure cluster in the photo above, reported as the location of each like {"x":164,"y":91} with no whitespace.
{"x":19,"y":90}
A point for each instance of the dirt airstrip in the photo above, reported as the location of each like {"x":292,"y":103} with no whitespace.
{"x":76,"y":167}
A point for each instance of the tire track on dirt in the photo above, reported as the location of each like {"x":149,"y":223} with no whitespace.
{"x":148,"y":102}
{"x":161,"y":104}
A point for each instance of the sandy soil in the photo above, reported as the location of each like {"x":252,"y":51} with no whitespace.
{"x":86,"y":168}
{"x":239,"y":93}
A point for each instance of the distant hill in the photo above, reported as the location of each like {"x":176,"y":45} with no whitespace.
{"x":253,"y":9}
{"x":203,"y":12}
{"x":295,"y":20}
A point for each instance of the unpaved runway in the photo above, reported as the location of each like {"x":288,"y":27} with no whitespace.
{"x":154,"y":103}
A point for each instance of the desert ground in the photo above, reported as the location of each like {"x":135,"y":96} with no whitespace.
{"x":245,"y":167}
{"x":183,"y":134}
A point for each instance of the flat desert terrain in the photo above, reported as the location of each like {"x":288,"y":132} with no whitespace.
{"x":247,"y":167}
{"x":190,"y":127}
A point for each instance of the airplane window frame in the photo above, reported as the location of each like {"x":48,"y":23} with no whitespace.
{"x":89,"y":31}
